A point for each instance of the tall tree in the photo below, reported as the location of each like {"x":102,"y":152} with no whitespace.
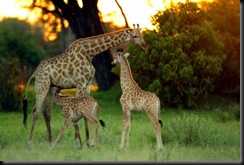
{"x":225,"y":18}
{"x":84,"y":22}
{"x":184,"y":56}
{"x":20,"y":47}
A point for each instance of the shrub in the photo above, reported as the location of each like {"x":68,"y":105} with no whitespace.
{"x":190,"y":129}
{"x":228,"y":113}
{"x":183,"y":59}
{"x":9,"y":78}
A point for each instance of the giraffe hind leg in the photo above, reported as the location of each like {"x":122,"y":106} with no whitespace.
{"x":93,"y":121}
{"x":157,"y":128}
{"x":87,"y":132}
{"x":78,"y":142}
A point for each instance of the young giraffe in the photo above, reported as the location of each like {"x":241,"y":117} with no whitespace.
{"x":73,"y":109}
{"x":72,"y":69}
{"x":134,"y":98}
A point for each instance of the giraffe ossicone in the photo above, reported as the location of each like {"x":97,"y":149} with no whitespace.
{"x":72,"y":69}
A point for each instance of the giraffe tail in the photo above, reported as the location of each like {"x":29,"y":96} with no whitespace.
{"x":25,"y":113}
{"x":100,"y":120}
{"x":161,"y":123}
{"x":102,"y":123}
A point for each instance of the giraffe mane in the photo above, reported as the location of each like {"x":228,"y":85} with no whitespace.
{"x":100,"y":35}
{"x":129,"y":69}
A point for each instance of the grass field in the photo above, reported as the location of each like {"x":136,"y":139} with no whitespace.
{"x":188,"y":136}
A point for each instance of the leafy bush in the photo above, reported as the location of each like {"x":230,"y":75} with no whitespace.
{"x":183,"y":59}
{"x":225,"y":18}
{"x":9,"y":78}
{"x":230,"y":112}
{"x":190,"y":129}
{"x":18,"y":49}
{"x":19,"y":40}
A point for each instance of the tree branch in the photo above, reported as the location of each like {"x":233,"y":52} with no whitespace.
{"x":122,"y":12}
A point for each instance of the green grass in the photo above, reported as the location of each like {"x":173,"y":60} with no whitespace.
{"x":188,"y":136}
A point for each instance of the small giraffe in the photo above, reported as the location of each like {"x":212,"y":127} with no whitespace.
{"x":72,"y":69}
{"x":134,"y":98}
{"x":73,"y":109}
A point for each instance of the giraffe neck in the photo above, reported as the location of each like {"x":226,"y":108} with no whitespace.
{"x":59,"y":100}
{"x":126,"y":78}
{"x":91,"y":46}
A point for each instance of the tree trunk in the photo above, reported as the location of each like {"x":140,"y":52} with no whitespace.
{"x":85,"y":22}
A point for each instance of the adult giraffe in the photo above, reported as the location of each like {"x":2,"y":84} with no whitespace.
{"x":73,"y":69}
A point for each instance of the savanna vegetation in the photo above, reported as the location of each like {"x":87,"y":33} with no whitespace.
{"x":188,"y":136}
{"x":192,"y":64}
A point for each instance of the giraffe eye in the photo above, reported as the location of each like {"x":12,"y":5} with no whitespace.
{"x":135,"y":36}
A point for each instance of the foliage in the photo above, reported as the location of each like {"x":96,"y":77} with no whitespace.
{"x":184,"y":56}
{"x":9,"y":78}
{"x":18,"y":49}
{"x":228,"y":113}
{"x":225,"y":18}
{"x":215,"y":141}
{"x":19,"y":40}
{"x":193,"y":130}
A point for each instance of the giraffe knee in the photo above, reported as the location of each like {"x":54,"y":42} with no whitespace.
{"x":36,"y":113}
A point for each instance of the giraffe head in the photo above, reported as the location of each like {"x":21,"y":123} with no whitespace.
{"x":119,"y":55}
{"x":56,"y":91}
{"x":136,"y":37}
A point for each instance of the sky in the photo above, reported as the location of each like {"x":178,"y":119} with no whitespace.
{"x":136,"y":11}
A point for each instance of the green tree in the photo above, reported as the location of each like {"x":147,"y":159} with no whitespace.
{"x":18,"y":48}
{"x":18,"y":39}
{"x":225,"y":18}
{"x":9,"y":78}
{"x":184,"y":56}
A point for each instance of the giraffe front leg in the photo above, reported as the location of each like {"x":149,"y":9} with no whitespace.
{"x":81,"y":89}
{"x":66,"y":124}
{"x":125,"y":128}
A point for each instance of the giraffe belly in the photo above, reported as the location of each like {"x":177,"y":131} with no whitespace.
{"x":134,"y":103}
{"x":64,"y":83}
{"x":72,"y":77}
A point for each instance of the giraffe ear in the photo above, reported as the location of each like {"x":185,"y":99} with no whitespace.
{"x":126,"y":55}
{"x":114,"y":61}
